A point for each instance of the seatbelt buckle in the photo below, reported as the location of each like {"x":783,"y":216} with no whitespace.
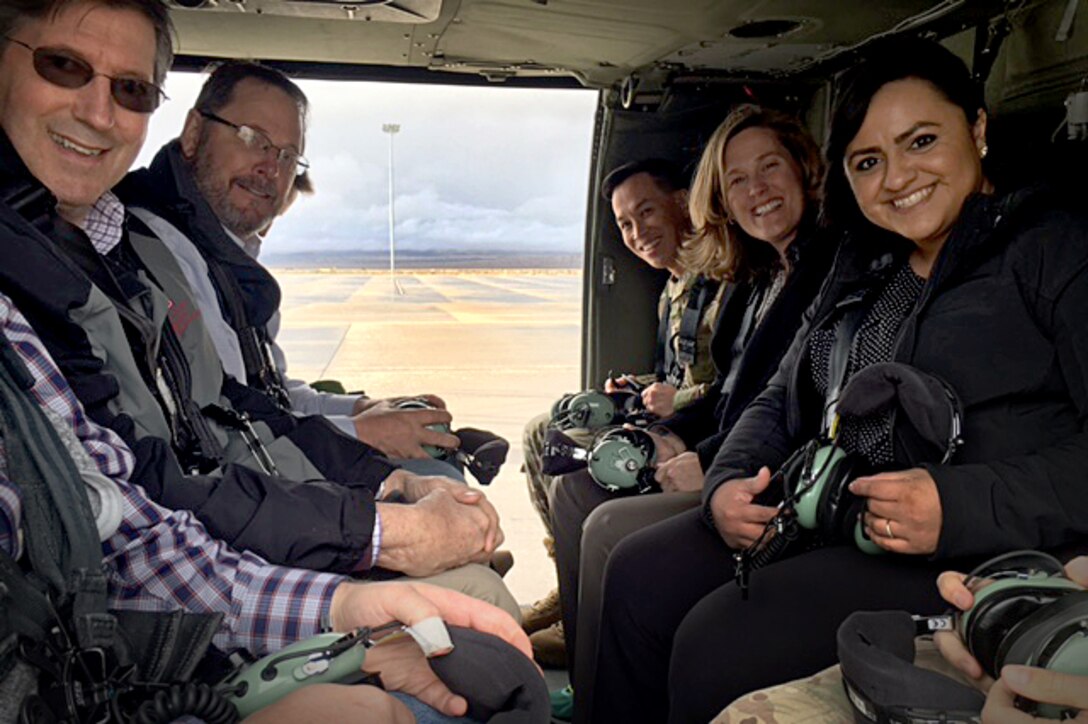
{"x":241,"y":422}
{"x":84,"y":689}
{"x":685,"y":351}
{"x":257,"y":447}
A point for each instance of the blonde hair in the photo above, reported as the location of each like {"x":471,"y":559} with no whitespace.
{"x":718,"y":247}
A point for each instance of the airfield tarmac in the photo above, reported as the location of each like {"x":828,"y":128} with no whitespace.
{"x":498,"y":346}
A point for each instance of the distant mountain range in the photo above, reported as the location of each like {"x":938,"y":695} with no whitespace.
{"x":422,"y":259}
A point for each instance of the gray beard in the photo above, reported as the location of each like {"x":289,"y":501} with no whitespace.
{"x":239,"y":224}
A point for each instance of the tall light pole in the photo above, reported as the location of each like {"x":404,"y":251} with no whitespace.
{"x":392,"y":129}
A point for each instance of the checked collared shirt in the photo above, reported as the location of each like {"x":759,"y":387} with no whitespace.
{"x":160,"y":559}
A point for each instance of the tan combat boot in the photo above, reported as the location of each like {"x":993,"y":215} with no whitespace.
{"x":549,"y":647}
{"x":541,"y":614}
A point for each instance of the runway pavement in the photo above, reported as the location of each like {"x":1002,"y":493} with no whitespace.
{"x":498,"y":346}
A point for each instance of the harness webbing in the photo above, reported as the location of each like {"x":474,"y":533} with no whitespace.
{"x":58,"y":596}
{"x":670,"y":363}
{"x":62,"y":543}
{"x":261,"y":370}
{"x":164,"y":365}
{"x":702,"y":291}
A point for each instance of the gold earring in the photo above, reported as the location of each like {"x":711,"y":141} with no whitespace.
{"x":983,"y":151}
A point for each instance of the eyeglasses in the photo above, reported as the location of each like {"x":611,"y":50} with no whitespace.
{"x":67,"y":70}
{"x":254,"y":140}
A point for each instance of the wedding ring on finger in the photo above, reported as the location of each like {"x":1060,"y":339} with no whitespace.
{"x":888,"y":528}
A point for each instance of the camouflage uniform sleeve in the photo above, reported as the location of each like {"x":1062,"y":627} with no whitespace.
{"x":645,"y":379}
{"x":687,"y":395}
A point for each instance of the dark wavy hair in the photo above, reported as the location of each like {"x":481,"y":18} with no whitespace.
{"x":888,"y":60}
{"x":225,"y":76}
{"x":13,"y":13}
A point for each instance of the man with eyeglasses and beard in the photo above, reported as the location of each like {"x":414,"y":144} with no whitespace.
{"x":206,"y":197}
{"x":232,"y":169}
{"x":78,"y":79}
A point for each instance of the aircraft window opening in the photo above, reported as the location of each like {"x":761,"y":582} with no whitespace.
{"x":485,"y":306}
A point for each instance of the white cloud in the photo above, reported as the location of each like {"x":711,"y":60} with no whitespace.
{"x":476,"y":168}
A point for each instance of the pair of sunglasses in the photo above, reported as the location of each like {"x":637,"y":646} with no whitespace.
{"x":66,"y":70}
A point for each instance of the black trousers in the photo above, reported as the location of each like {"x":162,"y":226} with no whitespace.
{"x":678,"y":644}
{"x":573,"y":498}
{"x":588,"y":522}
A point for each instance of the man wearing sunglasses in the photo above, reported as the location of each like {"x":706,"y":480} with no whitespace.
{"x":74,"y":114}
{"x":66,"y":137}
{"x":77,"y":148}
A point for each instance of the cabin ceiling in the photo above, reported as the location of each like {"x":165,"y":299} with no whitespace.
{"x":597,"y":42}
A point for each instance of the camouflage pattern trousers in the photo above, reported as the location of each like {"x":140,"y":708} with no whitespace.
{"x":540,"y":485}
{"x":819,"y":698}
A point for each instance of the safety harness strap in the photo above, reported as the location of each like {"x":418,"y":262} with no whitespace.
{"x":61,"y":541}
{"x":687,"y":343}
{"x":58,"y":597}
{"x":254,"y":342}
{"x":845,"y":332}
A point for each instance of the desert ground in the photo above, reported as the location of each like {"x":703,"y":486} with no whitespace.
{"x":498,"y":346}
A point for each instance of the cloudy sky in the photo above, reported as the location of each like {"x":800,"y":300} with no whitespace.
{"x":476,"y":168}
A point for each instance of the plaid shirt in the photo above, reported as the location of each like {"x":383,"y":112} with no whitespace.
{"x":105,"y":223}
{"x":163,"y":560}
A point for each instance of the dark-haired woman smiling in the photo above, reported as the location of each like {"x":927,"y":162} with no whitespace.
{"x":986,"y":291}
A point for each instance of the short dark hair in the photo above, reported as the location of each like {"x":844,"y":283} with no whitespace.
{"x":13,"y":13}
{"x":665,"y":174}
{"x":218,"y":90}
{"x":887,"y":61}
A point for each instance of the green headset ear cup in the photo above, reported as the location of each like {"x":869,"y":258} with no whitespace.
{"x":1055,"y":637}
{"x":838,"y":507}
{"x":1071,"y":657}
{"x":1000,"y":607}
{"x":618,"y":457}
{"x":808,"y":506}
{"x":592,"y":410}
{"x":864,"y":543}
{"x":560,"y":407}
{"x":435,"y":452}
{"x":438,"y":453}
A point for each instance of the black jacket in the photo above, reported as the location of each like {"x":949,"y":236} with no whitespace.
{"x":704,"y":425}
{"x":330,"y":523}
{"x":1001,"y":319}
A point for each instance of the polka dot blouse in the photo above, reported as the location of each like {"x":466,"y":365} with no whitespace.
{"x":874,"y":342}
